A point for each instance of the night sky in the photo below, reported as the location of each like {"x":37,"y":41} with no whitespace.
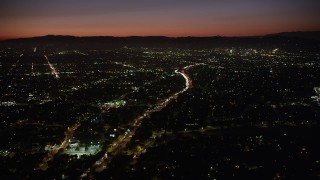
{"x":26,"y":18}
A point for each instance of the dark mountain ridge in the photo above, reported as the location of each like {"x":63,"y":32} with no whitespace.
{"x":289,"y":40}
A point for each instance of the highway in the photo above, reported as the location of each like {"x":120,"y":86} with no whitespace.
{"x":121,"y":142}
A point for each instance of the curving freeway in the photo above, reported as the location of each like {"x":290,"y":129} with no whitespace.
{"x":121,"y":142}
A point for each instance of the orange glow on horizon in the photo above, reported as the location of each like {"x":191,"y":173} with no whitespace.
{"x":156,"y":18}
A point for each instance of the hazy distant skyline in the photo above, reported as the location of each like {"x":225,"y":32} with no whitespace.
{"x":27,"y":18}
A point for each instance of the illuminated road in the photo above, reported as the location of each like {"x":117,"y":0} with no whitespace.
{"x":43,"y":165}
{"x":53,"y":70}
{"x":149,"y":143}
{"x":121,"y":142}
{"x":32,"y":70}
{"x":14,"y":65}
{"x":7,"y":83}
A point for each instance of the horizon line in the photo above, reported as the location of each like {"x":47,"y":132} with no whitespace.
{"x":189,"y":36}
